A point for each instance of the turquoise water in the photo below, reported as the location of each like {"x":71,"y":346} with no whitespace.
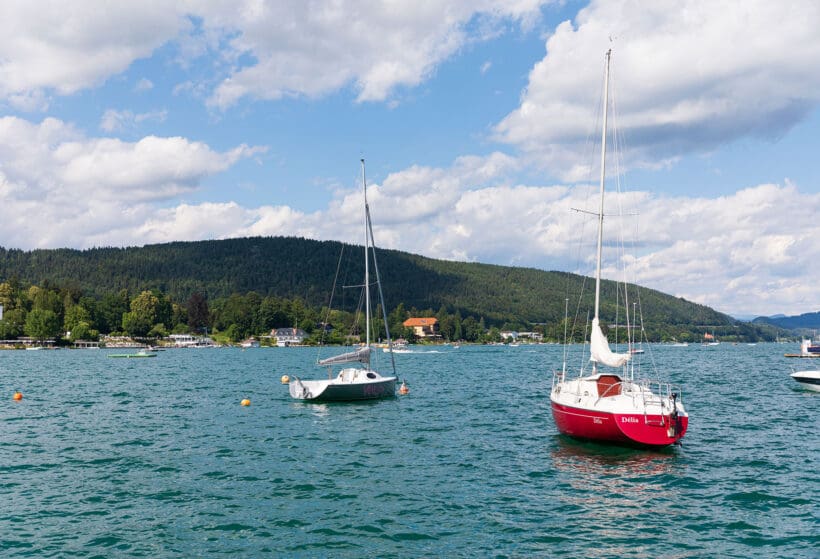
{"x":156,"y":458}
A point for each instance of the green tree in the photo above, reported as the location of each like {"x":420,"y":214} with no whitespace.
{"x":13,"y":324}
{"x":146,"y":305}
{"x":164,"y":310}
{"x":45,"y":299}
{"x":42,"y":324}
{"x":111,"y":309}
{"x":272,"y":314}
{"x":179,"y":316}
{"x":82,"y":331}
{"x":74,"y":315}
{"x":198,"y":312}
{"x":446,"y":324}
{"x":136,"y":324}
{"x":234,"y":333}
{"x":239,"y":311}
{"x":457,"y":332}
{"x":7,"y":296}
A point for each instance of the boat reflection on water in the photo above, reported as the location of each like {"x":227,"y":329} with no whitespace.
{"x":604,"y":489}
{"x":325,"y":410}
{"x":612,"y":461}
{"x":605,"y":486}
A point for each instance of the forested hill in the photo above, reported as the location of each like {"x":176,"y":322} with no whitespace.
{"x":806,"y":321}
{"x":294,"y":267}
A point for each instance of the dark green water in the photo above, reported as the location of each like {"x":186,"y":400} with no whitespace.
{"x":156,"y":458}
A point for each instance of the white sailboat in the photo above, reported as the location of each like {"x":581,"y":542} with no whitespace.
{"x":358,"y":381}
{"x":610,"y":405}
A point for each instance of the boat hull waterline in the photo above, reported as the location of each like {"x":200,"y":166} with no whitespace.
{"x":345,"y":387}
{"x":620,"y":428}
{"x":808,"y":379}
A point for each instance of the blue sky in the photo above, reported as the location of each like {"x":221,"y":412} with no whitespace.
{"x":148,"y":122}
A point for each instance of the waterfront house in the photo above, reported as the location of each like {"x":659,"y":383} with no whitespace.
{"x":425,"y":327}
{"x":288,"y":336}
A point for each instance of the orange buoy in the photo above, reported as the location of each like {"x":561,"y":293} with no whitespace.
{"x":245,"y":402}
{"x":18,"y":395}
{"x":403,"y":388}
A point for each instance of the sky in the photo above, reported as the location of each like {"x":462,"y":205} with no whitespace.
{"x":132,"y":123}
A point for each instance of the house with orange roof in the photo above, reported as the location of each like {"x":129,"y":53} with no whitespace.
{"x":426,"y":327}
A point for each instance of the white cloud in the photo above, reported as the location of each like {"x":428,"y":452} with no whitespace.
{"x":313,"y":49}
{"x":752,"y":252}
{"x":51,"y":46}
{"x":263,"y":50}
{"x":116,"y":121}
{"x":689,"y":76}
{"x":144,"y":85}
{"x":59,"y":188}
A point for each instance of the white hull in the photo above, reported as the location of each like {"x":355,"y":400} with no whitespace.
{"x":808,"y":379}
{"x":349,"y":385}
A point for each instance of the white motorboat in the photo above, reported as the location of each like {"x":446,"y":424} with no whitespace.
{"x":808,"y":379}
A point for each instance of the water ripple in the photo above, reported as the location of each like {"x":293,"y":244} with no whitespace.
{"x":106,"y":458}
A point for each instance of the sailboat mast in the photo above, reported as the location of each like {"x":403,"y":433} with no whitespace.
{"x":603,"y":175}
{"x":366,"y":262}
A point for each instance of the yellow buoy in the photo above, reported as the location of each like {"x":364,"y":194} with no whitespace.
{"x":285,"y":379}
{"x":245,"y":402}
{"x":18,"y":396}
{"x":403,"y":388}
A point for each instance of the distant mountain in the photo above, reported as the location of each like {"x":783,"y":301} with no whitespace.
{"x":294,"y":267}
{"x":806,"y":321}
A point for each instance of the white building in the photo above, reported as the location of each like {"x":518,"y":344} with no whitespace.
{"x":288,"y":336}
{"x":187,"y":340}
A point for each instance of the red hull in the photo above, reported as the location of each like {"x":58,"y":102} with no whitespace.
{"x":628,"y":429}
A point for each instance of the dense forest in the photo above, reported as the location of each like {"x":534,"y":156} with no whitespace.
{"x":248,"y":286}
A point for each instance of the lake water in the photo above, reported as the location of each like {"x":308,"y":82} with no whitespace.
{"x":156,"y":458}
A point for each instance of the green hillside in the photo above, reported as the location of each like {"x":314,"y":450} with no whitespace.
{"x":301,"y":268}
{"x":806,"y":323}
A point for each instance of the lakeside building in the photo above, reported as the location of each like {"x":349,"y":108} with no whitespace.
{"x":187,"y":340}
{"x":288,"y":336}
{"x":515,"y":336}
{"x":423,"y":327}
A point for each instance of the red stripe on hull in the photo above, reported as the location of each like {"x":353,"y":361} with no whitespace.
{"x":653,"y":430}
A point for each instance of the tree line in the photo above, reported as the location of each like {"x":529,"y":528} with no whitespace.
{"x":49,"y":311}
{"x":251,"y":285}
{"x":62,"y":313}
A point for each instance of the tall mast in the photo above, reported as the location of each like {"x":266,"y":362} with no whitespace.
{"x":366,"y":262}
{"x":603,"y":174}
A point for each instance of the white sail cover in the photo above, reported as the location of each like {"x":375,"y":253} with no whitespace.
{"x":361,"y":355}
{"x":599,"y":348}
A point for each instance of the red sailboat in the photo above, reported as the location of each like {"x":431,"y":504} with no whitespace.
{"x":611,"y":405}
